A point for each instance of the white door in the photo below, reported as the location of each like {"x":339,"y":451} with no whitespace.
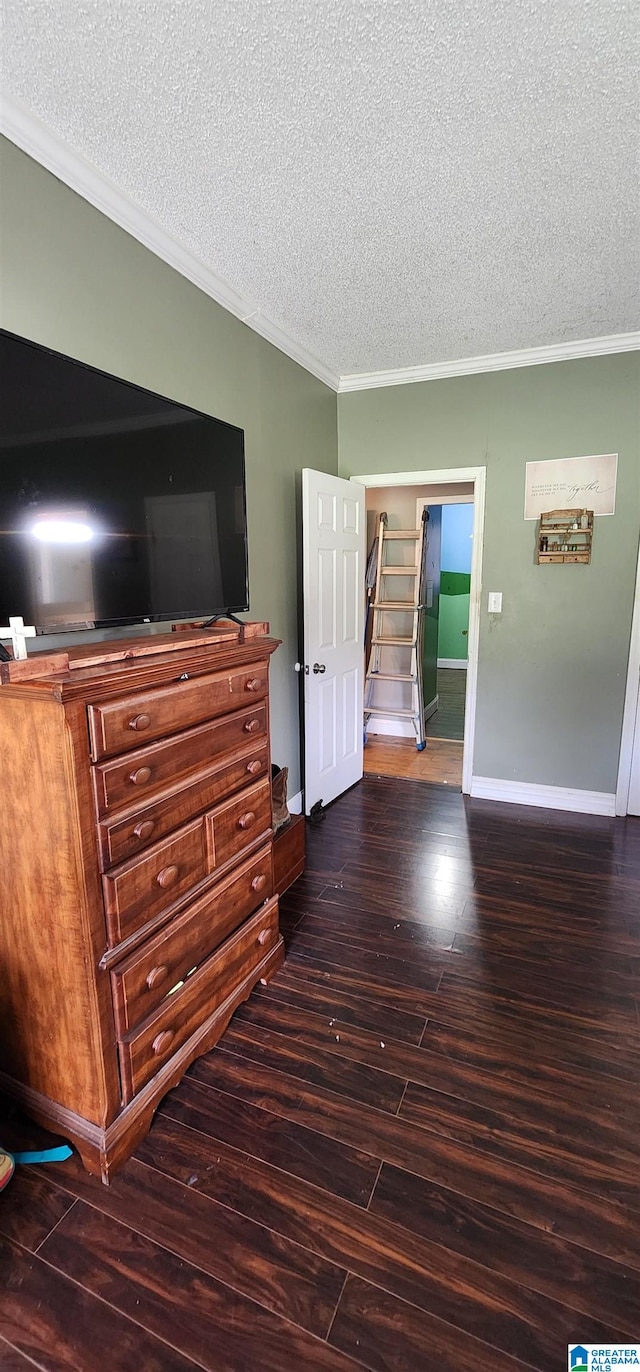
{"x":634,"y":784}
{"x":333,"y":566}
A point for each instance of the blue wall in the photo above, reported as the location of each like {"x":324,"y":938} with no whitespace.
{"x":457,"y":528}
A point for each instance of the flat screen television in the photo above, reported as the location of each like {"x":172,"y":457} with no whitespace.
{"x":116,"y":505}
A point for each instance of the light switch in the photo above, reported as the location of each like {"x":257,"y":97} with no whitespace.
{"x":495,"y":602}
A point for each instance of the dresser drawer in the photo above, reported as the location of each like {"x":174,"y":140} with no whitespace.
{"x":142,"y":981}
{"x":239,"y":822}
{"x":125,"y":835}
{"x":145,"y":1049}
{"x":141,"y":888}
{"x":140,"y":774}
{"x":121,"y":725}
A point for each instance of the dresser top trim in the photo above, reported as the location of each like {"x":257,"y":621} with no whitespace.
{"x":134,"y":664}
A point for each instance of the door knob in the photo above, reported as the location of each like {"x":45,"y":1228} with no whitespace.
{"x":318,"y":667}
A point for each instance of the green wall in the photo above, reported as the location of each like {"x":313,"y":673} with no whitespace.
{"x":552,"y":668}
{"x":72,"y":280}
{"x":453,"y":627}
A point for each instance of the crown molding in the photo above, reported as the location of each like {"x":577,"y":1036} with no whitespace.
{"x":29,"y":133}
{"x":493,"y":362}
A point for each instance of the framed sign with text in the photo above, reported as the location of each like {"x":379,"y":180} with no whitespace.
{"x":571,"y":483}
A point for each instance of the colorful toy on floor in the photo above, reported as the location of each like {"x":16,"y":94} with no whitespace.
{"x":7,"y":1168}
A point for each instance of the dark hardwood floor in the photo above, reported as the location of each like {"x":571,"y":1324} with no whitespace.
{"x":416,"y":1149}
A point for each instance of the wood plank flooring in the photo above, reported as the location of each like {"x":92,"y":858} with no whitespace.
{"x":441,"y":761}
{"x":417,"y":1148}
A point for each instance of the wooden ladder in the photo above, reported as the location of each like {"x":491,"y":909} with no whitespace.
{"x":380,"y":641}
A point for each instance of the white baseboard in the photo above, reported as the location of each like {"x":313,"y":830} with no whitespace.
{"x":546,"y":797}
{"x":294,"y":804}
{"x":453,"y":662}
{"x":392,"y":727}
{"x":389,"y":725}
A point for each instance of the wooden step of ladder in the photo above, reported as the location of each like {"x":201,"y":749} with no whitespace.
{"x":378,"y":671}
{"x":394,"y":676}
{"x":402,"y":533}
{"x":382,"y":710}
{"x":406,"y":642}
{"x":409,"y":605}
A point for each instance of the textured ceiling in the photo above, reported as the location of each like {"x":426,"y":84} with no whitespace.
{"x":395,"y":182}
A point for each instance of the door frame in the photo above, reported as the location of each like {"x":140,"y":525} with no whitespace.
{"x":630,"y":712}
{"x":456,"y":476}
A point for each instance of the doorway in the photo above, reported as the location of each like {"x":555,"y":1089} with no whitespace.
{"x":455,"y":501}
{"x":454,"y":515}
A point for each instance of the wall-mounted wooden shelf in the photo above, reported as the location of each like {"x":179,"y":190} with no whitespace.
{"x":565,"y":536}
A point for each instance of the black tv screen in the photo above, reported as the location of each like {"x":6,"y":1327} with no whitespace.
{"x":116,"y":505}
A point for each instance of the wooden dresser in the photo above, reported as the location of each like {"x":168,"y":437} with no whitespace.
{"x":138,"y":905}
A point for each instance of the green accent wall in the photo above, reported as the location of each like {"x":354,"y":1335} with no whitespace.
{"x":453,"y":628}
{"x":552,"y":667}
{"x":74,"y":281}
{"x":455,"y":583}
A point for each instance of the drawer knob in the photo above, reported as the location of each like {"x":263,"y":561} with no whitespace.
{"x":251,"y":726}
{"x":259,"y":882}
{"x":156,"y":976}
{"x":140,"y":722}
{"x":254,"y":766}
{"x":144,"y":829}
{"x":141,"y":776}
{"x":162,"y":1041}
{"x":168,"y":876}
{"x":264,"y":936}
{"x":253,"y":684}
{"x":245,"y":821}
